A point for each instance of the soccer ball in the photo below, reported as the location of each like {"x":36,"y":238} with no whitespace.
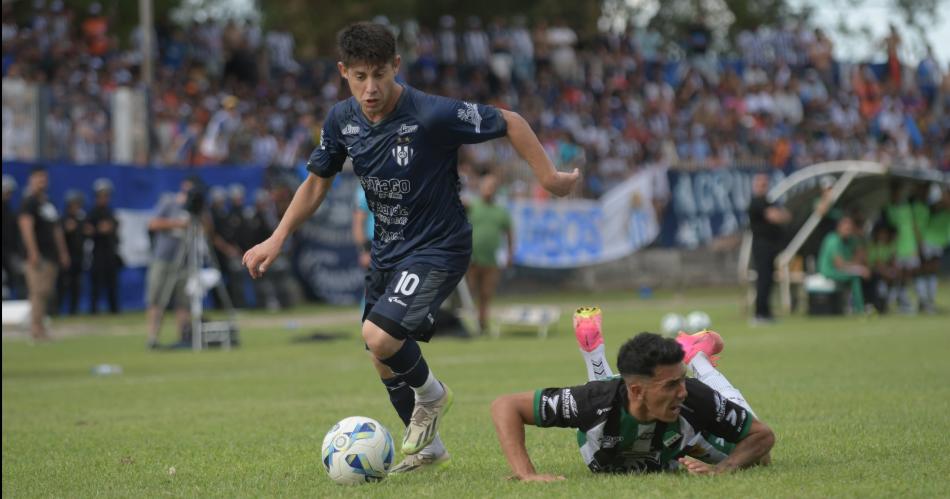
{"x":357,"y":450}
{"x":672,"y":324}
{"x":697,"y":320}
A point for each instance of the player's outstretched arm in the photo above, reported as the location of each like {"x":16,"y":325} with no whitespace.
{"x":510,"y":414}
{"x":306,"y":200}
{"x":750,"y":451}
{"x":528,"y":146}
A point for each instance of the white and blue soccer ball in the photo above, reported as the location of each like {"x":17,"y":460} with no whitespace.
{"x":697,"y":321}
{"x":672,"y":324}
{"x":357,"y":450}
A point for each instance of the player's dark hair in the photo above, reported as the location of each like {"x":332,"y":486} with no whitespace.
{"x":37,"y":169}
{"x":640,"y":355}
{"x":369,"y":43}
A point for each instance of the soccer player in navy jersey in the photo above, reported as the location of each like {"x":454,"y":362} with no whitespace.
{"x":404,"y":146}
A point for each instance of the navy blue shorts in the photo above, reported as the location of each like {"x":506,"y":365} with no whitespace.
{"x":404,"y":302}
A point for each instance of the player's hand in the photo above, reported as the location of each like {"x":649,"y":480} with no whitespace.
{"x":695,"y":467}
{"x":64,"y":260}
{"x":364,"y":259}
{"x":561,"y":183}
{"x":539,"y":477}
{"x":259,"y":258}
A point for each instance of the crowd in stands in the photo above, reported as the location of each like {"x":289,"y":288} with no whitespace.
{"x":234,"y":93}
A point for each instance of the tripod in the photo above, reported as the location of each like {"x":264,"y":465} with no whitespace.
{"x":192,"y":255}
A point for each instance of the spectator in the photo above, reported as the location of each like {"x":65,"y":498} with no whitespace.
{"x":490,"y":221}
{"x":935,"y":238}
{"x":70,"y":277}
{"x":900,"y":215}
{"x":230,"y":229}
{"x":95,"y":30}
{"x":13,"y":286}
{"x":476,"y":44}
{"x":881,"y":263}
{"x":260,"y":219}
{"x":165,"y":282}
{"x":448,"y":52}
{"x":103,"y":227}
{"x":765,"y":221}
{"x":45,"y":248}
{"x":218,"y":209}
{"x":838,"y":261}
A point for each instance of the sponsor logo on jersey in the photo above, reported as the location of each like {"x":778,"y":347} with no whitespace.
{"x":430,"y":319}
{"x":402,"y":155}
{"x":350,"y":129}
{"x":720,"y":406}
{"x":395,"y":299}
{"x":407,"y":129}
{"x":731,"y":417}
{"x":608,"y":441}
{"x":603,"y":410}
{"x":568,"y":404}
{"x":671,"y":438}
{"x":469,"y":114}
{"x":552,"y":402}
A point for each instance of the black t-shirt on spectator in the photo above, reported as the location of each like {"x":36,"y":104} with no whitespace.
{"x":73,"y":231}
{"x":45,"y":218}
{"x":765,"y":235}
{"x":11,"y":232}
{"x":105,"y":245}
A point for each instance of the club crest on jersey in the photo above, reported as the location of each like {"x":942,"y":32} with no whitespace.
{"x":402,"y":155}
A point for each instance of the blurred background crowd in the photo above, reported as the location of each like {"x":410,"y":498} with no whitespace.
{"x":235,"y":93}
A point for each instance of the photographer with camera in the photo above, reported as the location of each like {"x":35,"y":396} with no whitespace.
{"x":169,"y":227}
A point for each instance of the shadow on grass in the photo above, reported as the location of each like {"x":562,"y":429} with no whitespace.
{"x":320,"y":336}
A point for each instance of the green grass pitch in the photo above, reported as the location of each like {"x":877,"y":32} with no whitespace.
{"x":860,"y":407}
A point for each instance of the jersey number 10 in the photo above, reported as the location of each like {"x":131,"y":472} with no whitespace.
{"x":407,"y":283}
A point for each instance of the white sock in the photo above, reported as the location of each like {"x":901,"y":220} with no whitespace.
{"x":430,"y":391}
{"x":902,"y":299}
{"x":596,"y":363}
{"x":920,"y":284}
{"x":436,"y":448}
{"x":892,"y":295}
{"x":708,"y":374}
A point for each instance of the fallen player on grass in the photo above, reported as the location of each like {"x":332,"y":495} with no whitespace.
{"x":650,"y":418}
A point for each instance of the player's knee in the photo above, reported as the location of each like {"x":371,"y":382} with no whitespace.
{"x":380,"y":343}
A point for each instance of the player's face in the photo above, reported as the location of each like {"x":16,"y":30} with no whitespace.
{"x":665,"y":393}
{"x":374,"y":87}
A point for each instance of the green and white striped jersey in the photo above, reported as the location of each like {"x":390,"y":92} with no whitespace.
{"x":611,"y":440}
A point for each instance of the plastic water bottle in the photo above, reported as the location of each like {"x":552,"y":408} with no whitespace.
{"x":106,"y":369}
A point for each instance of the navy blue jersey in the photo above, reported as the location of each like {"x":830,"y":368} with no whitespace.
{"x":407,"y":164}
